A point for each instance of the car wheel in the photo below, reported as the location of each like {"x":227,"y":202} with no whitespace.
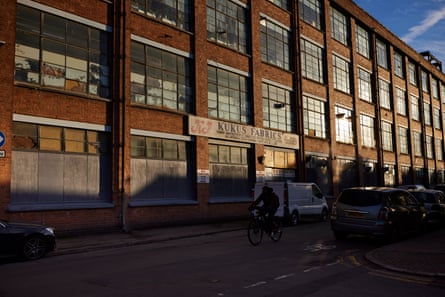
{"x":324,"y":215}
{"x":294,"y":219}
{"x":340,"y":235}
{"x":34,"y":247}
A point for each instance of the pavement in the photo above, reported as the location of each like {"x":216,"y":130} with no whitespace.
{"x":420,"y":255}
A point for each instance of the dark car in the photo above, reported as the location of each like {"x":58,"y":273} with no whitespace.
{"x":29,"y":241}
{"x":434,"y":202}
{"x":377,"y":211}
{"x":440,"y":187}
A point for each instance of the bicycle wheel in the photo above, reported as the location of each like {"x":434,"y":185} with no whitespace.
{"x":255,"y":232}
{"x":277,"y":230}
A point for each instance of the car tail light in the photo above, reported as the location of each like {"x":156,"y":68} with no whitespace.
{"x":384,"y":213}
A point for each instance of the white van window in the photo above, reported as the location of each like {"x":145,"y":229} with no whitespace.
{"x":317,"y":192}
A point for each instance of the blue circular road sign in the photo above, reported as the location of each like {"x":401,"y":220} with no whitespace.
{"x":2,"y":138}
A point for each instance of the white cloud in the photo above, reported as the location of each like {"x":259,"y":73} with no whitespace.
{"x":431,"y":19}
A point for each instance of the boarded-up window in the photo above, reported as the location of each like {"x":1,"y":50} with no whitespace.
{"x":50,"y":138}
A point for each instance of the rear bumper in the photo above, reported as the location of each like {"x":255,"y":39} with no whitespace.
{"x":379,"y":228}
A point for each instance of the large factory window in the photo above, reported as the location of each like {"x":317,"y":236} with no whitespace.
{"x":230,"y":179}
{"x":160,"y":170}
{"x":58,"y":53}
{"x":57,"y":167}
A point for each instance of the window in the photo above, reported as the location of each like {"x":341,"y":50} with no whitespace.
{"x":403,"y":140}
{"x":34,"y":137}
{"x":311,"y":12}
{"x":339,"y":26}
{"x":227,"y":24}
{"x":398,"y":65}
{"x":169,"y":177}
{"x":71,"y":166}
{"x":435,"y":88}
{"x":228,"y":95}
{"x":58,"y":53}
{"x":415,"y":108}
{"x":229,"y":173}
{"x":367,"y":130}
{"x":314,"y":117}
{"x":362,"y":41}
{"x":275,"y":44}
{"x":407,"y":176}
{"x":280,"y":164}
{"x":364,"y":85}
{"x":312,"y":61}
{"x":281,"y":3}
{"x":341,"y":74}
{"x":436,"y":117}
{"x":438,"y":144}
{"x":278,"y":112}
{"x":387,"y":143}
{"x":418,"y":144}
{"x":343,"y":124}
{"x":425,"y":81}
{"x":384,"y":94}
{"x":427,"y":113}
{"x":401,"y":102}
{"x":173,"y":12}
{"x":158,"y":148}
{"x":443,"y":119}
{"x":412,"y":74}
{"x":382,"y":54}
{"x":160,"y":78}
{"x":429,"y":147}
{"x":442,"y":90}
{"x":279,"y":158}
{"x":389,"y":176}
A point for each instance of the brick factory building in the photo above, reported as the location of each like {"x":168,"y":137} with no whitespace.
{"x":123,"y":114}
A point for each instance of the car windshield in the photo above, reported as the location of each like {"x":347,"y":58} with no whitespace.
{"x":360,"y":198}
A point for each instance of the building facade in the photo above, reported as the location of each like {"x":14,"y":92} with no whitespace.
{"x":121,"y":114}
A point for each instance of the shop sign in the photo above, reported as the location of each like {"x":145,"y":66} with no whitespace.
{"x":244,"y":133}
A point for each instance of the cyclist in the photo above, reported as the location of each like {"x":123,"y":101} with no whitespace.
{"x":269,"y":206}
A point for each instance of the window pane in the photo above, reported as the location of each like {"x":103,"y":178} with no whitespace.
{"x":137,"y":146}
{"x":24,"y":136}
{"x":50,"y":138}
{"x":74,"y":140}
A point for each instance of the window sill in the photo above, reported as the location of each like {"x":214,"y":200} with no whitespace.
{"x":58,"y":206}
{"x":229,"y":200}
{"x":161,"y":202}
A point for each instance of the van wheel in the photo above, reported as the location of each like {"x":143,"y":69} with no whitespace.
{"x":294,"y":219}
{"x":324,"y":215}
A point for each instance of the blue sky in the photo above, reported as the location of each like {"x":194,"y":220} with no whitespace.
{"x":420,"y":23}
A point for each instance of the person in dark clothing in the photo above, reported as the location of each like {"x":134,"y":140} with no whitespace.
{"x":269,"y":204}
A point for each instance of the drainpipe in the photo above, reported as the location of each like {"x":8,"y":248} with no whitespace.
{"x":296,"y":58}
{"x":119,"y":111}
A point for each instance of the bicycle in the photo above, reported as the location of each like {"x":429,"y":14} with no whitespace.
{"x":258,"y":226}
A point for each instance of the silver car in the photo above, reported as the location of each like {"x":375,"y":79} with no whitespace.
{"x":377,"y":211}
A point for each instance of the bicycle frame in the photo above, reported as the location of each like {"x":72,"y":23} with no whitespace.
{"x":258,"y":225}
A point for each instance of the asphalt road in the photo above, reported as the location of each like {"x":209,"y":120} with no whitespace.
{"x":306,"y":262}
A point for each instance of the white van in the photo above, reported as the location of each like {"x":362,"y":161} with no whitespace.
{"x":298,"y":201}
